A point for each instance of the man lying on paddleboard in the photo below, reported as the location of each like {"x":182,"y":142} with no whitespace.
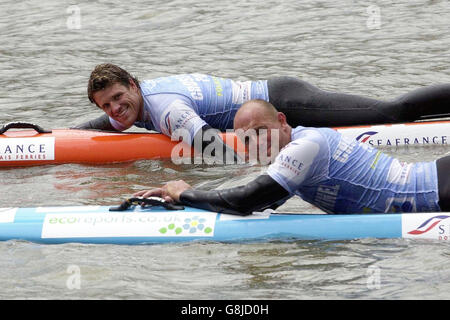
{"x":198,"y":102}
{"x":332,"y":172}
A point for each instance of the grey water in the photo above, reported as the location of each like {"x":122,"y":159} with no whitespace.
{"x":47,"y":50}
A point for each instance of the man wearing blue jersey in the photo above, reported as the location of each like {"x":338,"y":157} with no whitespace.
{"x":332,"y":172}
{"x":198,"y":102}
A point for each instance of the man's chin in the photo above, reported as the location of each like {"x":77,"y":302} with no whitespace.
{"x":125,"y":124}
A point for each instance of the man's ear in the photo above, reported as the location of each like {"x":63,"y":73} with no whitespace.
{"x":281,"y":118}
{"x":132,"y":84}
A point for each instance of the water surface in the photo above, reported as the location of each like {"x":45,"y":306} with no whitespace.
{"x":48,"y":49}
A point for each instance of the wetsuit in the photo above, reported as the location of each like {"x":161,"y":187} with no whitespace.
{"x":306,"y":105}
{"x":338,"y":175}
{"x":197,"y":102}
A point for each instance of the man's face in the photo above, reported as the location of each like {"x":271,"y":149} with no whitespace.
{"x":120,"y":103}
{"x":268,"y":134}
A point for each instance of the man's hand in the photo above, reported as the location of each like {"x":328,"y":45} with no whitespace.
{"x":170,"y":192}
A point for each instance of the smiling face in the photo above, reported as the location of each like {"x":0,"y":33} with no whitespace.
{"x":269,"y":125}
{"x":123,"y":104}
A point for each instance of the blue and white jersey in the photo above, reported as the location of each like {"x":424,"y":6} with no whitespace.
{"x":190,"y":101}
{"x":340,"y":175}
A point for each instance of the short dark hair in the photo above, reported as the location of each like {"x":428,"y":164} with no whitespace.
{"x":105,"y":75}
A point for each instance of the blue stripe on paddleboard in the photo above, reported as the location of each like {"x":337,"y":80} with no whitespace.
{"x":28,"y":225}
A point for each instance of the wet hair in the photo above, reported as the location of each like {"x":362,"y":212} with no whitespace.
{"x":105,"y":75}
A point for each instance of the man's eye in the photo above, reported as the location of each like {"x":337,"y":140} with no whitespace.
{"x":117,"y":96}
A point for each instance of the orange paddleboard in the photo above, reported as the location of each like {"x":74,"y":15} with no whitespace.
{"x":30,"y":148}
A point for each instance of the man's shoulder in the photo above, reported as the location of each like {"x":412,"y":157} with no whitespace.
{"x":310,"y":133}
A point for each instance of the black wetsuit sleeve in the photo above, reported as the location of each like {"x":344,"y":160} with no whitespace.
{"x":214,"y":143}
{"x":260,"y":194}
{"x":100,"y":123}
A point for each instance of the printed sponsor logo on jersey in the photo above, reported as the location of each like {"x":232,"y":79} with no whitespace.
{"x":241,"y":91}
{"x":326,"y":197}
{"x":218,"y":86}
{"x":191,"y":85}
{"x":375,"y":160}
{"x":200,"y":77}
{"x":344,"y":149}
{"x":401,"y":204}
{"x":150,"y":84}
{"x":399,"y":172}
{"x":295,"y":161}
{"x":177,"y":116}
{"x":290,"y":163}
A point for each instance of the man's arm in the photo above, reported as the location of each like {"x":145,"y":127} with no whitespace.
{"x":100,"y":123}
{"x":174,"y":112}
{"x":260,"y":194}
{"x":211,"y":141}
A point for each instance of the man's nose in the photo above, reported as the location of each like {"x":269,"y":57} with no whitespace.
{"x":115,"y":107}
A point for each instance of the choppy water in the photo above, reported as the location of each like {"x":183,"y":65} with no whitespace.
{"x":47,"y":51}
